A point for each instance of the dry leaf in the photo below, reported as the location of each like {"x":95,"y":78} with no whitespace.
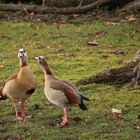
{"x":100,"y":33}
{"x":92,"y":43}
{"x":3,"y":129}
{"x":18,"y":136}
{"x":29,"y":116}
{"x":63,"y":53}
{"x":113,"y":110}
{"x":131,"y":18}
{"x":32,"y":13}
{"x":55,"y":35}
{"x":137,"y":127}
{"x":77,"y":119}
{"x":62,"y":24}
{"x":1,"y":66}
{"x":126,"y":105}
{"x":48,"y":47}
{"x":105,"y":56}
{"x":39,"y":45}
{"x":138,"y":116}
{"x":75,"y":15}
{"x":110,"y":23}
{"x":78,"y":30}
{"x":47,"y":103}
{"x":116,"y":117}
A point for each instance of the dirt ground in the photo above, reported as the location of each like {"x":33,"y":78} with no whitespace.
{"x":73,"y":18}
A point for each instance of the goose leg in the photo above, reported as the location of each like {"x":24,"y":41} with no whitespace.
{"x":19,"y":118}
{"x":23,"y":113}
{"x":65,"y":118}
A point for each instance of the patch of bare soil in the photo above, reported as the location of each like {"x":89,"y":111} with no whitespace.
{"x":60,"y":18}
{"x":55,"y":121}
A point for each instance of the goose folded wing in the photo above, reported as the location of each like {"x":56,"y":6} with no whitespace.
{"x":69,"y":84}
{"x":68,"y":90}
{"x":4,"y":82}
{"x":72,"y":86}
{"x":8,"y":79}
{"x":11,"y":77}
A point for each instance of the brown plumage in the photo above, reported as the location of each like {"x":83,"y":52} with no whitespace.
{"x":60,"y":93}
{"x":20,"y":86}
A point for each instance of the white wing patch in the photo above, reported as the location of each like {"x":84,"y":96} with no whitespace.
{"x":56,"y":97}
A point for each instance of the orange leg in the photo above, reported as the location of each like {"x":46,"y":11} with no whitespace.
{"x":65,"y":118}
{"x":19,"y":118}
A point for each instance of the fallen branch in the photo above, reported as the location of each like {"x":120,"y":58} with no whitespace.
{"x":42,"y":9}
{"x":135,"y":76}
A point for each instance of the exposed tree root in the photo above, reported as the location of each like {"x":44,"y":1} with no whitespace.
{"x":128,"y":74}
{"x":134,"y":5}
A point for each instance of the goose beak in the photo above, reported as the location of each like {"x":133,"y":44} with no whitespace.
{"x":36,"y":58}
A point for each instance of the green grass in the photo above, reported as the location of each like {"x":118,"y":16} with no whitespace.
{"x":69,"y":57}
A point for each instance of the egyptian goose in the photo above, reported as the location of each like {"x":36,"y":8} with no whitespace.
{"x":60,"y":93}
{"x":20,"y":86}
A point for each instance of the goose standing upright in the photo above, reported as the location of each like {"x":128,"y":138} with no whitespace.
{"x":60,"y":93}
{"x":20,"y":86}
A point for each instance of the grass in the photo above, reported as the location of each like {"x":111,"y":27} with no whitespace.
{"x":65,"y":46}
